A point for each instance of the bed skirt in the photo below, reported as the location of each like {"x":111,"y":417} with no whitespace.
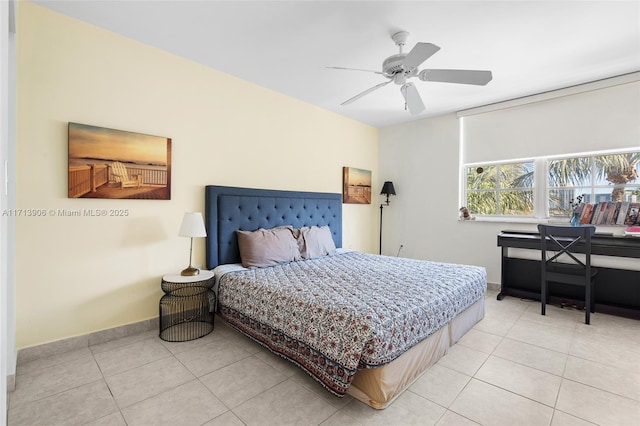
{"x":379,"y":387}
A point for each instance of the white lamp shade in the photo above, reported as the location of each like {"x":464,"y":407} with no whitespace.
{"x":192,"y":225}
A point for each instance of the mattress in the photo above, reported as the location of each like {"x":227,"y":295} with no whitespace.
{"x":338,"y":314}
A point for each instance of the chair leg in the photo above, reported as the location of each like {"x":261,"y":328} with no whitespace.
{"x":587,"y":303}
{"x":543,"y":297}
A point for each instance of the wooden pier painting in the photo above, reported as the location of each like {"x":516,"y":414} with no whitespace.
{"x":107,"y":163}
{"x":356,"y":186}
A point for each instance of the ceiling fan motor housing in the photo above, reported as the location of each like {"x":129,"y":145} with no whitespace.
{"x":393,"y":65}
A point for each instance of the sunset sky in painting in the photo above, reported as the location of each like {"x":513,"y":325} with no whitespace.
{"x":359,"y":177}
{"x":108,"y":144}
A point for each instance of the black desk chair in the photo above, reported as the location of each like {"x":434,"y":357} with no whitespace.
{"x":563,"y":240}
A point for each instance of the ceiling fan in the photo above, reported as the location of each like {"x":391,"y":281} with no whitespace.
{"x":400,"y":67}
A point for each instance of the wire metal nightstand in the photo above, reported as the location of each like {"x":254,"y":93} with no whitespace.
{"x":187,"y":308}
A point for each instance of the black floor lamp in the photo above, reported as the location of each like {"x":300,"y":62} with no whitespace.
{"x":387,"y":189}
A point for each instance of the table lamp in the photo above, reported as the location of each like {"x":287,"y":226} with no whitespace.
{"x":193,"y":227}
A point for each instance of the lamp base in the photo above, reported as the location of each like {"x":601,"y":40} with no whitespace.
{"x":190,"y":271}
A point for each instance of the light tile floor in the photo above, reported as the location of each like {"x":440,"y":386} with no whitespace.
{"x":515,"y":367}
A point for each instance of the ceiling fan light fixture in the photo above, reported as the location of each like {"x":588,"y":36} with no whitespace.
{"x":400,"y":79}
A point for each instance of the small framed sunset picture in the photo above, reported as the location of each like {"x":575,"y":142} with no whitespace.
{"x":356,"y":186}
{"x":107,"y":163}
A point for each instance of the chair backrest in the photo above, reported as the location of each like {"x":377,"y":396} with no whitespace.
{"x":563,"y":240}
{"x":120,"y":171}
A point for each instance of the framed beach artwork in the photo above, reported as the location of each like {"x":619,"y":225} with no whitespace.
{"x":356,"y":186}
{"x":108,"y":163}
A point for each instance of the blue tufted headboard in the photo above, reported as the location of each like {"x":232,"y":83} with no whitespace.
{"x":228,"y":209}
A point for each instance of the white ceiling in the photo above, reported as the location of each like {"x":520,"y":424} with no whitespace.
{"x":530,"y":46}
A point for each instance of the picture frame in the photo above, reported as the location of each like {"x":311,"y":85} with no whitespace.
{"x":117,"y":164}
{"x":356,"y":186}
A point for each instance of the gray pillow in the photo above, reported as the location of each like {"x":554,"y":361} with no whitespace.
{"x":267,"y":247}
{"x":316,"y":242}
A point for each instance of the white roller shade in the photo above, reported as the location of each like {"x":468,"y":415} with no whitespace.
{"x":594,"y":120}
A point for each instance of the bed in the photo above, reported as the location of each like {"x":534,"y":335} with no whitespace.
{"x":360,"y":324}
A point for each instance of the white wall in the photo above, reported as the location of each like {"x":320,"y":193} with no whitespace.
{"x":4,"y":143}
{"x":7,"y":201}
{"x":76,"y":275}
{"x":421,"y":158}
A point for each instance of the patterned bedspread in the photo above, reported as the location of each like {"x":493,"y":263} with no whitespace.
{"x":335,"y":314}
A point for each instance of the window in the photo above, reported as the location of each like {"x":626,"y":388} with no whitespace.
{"x":501,"y":189}
{"x":596,"y":178}
{"x":584,"y":124}
{"x":547,"y":187}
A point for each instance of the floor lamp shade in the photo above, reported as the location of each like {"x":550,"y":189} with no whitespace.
{"x":388,"y":189}
{"x":193,"y":227}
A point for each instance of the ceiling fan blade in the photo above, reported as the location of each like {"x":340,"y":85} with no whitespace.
{"x":420,"y":53}
{"x":366,"y":92}
{"x":412,"y":98}
{"x":479,"y":78}
{"x":355,"y":69}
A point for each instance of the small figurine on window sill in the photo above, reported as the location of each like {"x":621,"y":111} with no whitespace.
{"x":465,"y":214}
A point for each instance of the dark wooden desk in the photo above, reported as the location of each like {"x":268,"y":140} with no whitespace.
{"x":617,"y":291}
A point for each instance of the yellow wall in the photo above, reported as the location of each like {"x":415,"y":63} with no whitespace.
{"x":76,"y":275}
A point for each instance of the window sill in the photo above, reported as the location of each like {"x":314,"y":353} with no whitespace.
{"x":503,"y":219}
